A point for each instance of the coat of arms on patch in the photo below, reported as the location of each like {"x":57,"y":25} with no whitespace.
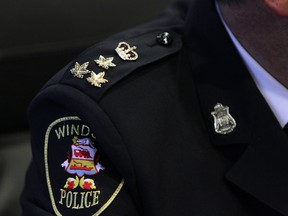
{"x":83,"y":160}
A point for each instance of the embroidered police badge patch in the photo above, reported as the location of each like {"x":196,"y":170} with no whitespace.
{"x":78,"y":182}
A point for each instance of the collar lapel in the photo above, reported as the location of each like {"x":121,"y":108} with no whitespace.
{"x":262,"y":171}
{"x":221,"y":76}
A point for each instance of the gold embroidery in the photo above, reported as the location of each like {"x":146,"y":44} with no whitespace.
{"x":73,"y":130}
{"x":46,"y":158}
{"x":70,"y":196}
{"x":106,"y":205}
{"x":88,"y":199}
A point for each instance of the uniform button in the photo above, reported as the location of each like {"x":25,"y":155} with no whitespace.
{"x":164,"y":39}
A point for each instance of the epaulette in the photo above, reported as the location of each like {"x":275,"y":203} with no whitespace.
{"x":103,"y":65}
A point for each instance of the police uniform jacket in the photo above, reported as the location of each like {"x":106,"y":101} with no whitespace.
{"x":138,"y":137}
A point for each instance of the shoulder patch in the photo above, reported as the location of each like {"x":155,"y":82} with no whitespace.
{"x":79,"y":181}
{"x":104,"y":64}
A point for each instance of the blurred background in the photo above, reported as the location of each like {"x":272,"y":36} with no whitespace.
{"x":38,"y":38}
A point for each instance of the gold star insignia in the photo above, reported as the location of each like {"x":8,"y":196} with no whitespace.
{"x":80,"y":70}
{"x":105,"y":62}
{"x":97,"y":79}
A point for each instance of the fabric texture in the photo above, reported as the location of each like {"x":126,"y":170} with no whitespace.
{"x":152,"y":126}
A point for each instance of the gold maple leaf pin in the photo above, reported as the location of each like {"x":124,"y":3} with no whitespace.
{"x":80,"y":70}
{"x":105,"y":62}
{"x":97,"y":79}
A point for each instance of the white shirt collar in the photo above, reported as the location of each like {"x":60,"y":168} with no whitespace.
{"x":274,"y":92}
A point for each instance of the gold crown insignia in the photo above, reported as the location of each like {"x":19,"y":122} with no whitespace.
{"x":126,"y":52}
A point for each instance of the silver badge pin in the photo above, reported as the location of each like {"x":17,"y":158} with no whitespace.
{"x":105,"y":63}
{"x":224,"y":123}
{"x":126,"y":52}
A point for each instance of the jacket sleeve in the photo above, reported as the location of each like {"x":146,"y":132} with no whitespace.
{"x":74,"y":148}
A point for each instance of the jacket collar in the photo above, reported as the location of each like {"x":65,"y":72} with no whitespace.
{"x":221,"y":77}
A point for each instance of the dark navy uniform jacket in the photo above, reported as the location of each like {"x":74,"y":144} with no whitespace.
{"x":138,"y":138}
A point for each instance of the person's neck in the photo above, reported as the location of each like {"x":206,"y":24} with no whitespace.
{"x":262,"y":33}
